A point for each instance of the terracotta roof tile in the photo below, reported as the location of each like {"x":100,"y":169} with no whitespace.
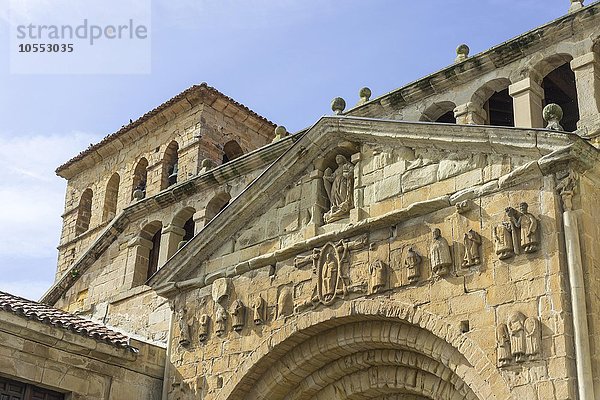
{"x":61,"y":319}
{"x":155,"y":111}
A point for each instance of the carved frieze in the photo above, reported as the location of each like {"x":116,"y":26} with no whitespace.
{"x":339,"y":185}
{"x":441,"y":259}
{"x":220,"y":320}
{"x":519,"y":340}
{"x":184,"y":328}
{"x":472,"y":242}
{"x":503,"y":240}
{"x":377,"y":277}
{"x":412,"y":263}
{"x":238,"y":315}
{"x":258,"y":310}
{"x":524,"y":227}
{"x":203,"y":327}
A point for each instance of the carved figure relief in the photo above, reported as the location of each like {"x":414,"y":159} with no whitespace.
{"x":285,"y":303}
{"x":503,"y":241}
{"x":378,"y":277}
{"x":524,"y":226}
{"x":339,"y":186}
{"x":220,"y":320}
{"x":441,"y":259}
{"x":329,"y":271}
{"x":258,"y":310}
{"x":472,"y":242}
{"x":503,"y":348}
{"x":203,"y":328}
{"x":184,"y":328}
{"x":238,"y":315}
{"x":412,"y":263}
{"x":518,"y":340}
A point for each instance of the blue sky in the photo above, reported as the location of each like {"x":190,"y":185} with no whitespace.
{"x":285,"y":59}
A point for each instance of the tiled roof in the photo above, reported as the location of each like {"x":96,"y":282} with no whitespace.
{"x":51,"y":316}
{"x":151,"y":113}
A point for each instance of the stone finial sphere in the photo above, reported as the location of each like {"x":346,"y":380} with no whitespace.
{"x":463,"y":50}
{"x":552,"y":112}
{"x":280,"y":131}
{"x":365,"y":93}
{"x":337,"y":105}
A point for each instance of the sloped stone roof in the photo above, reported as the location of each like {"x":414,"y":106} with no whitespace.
{"x":61,"y":319}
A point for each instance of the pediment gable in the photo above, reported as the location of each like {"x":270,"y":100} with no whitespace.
{"x":288,"y":209}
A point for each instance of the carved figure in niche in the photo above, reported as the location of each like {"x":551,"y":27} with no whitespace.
{"x":238,"y":315}
{"x":472,"y":241}
{"x":503,"y":241}
{"x":220,"y":320}
{"x":378,"y":277}
{"x":184,"y":328}
{"x":412,"y":262}
{"x":516,"y":322}
{"x":532,"y":336}
{"x":339,"y":185}
{"x":503,"y":349}
{"x":258,"y":310}
{"x":330,"y":274}
{"x":203,"y":329}
{"x":441,"y":260}
{"x":526,"y":224}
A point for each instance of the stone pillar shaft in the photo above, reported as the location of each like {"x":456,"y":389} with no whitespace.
{"x":169,"y":240}
{"x":470,"y":114}
{"x":528,"y":99}
{"x":587,"y":79}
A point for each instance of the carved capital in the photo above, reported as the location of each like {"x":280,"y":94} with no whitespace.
{"x":565,"y":187}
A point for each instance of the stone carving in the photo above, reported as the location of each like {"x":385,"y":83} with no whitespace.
{"x":503,"y":349}
{"x":339,"y":185}
{"x":337,"y":105}
{"x":365,"y":94}
{"x":472,"y":242}
{"x":463,"y":206}
{"x":566,"y":189}
{"x":203,"y":328}
{"x":462,"y":53}
{"x":378,"y":277}
{"x":220,"y":320}
{"x":516,"y":327}
{"x":523,"y":226}
{"x":258,"y":310}
{"x":503,"y":240}
{"x":441,"y":259}
{"x":412,"y":262}
{"x":285,"y":303}
{"x":184,"y":328}
{"x":238,"y":315}
{"x":280,"y":133}
{"x":552,"y":114}
{"x":518,"y":340}
{"x":329,"y":278}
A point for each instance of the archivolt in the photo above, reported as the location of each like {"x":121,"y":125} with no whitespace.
{"x":318,"y":352}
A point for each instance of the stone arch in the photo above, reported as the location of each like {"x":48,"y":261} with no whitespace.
{"x":439,"y":110}
{"x":538,"y":69}
{"x":151,"y":232}
{"x":140,"y":177}
{"x":231,"y":151}
{"x":111,"y":196}
{"x":180,"y":230}
{"x":495,"y":102}
{"x":307,"y":344}
{"x":84,"y":212}
{"x":215,"y":205}
{"x":170,"y":165}
{"x":481,"y":95}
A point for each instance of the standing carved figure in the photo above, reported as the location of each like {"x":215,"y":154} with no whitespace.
{"x":517,"y":336}
{"x":533,"y":336}
{"x":441,"y":260}
{"x":339,"y":185}
{"x":203,"y":329}
{"x":378,"y":277}
{"x":238,"y":315}
{"x":184,"y":328}
{"x":503,"y":241}
{"x":412,"y":263}
{"x":503,"y":349}
{"x":329,"y":277}
{"x":220,"y":320}
{"x":529,"y":229}
{"x":258,"y":310}
{"x":472,"y":241}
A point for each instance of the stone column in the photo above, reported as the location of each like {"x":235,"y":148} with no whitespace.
{"x":470,"y":114}
{"x":169,"y":240}
{"x":587,"y":79}
{"x":528,"y":103}
{"x":199,"y":220}
{"x":138,"y":255}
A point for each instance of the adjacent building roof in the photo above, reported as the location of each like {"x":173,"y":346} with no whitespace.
{"x":51,"y":316}
{"x":203,"y":86}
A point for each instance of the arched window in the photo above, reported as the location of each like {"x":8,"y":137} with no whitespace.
{"x":180,"y":230}
{"x":151,"y":232}
{"x":170,"y":166}
{"x":140,"y":175}
{"x":84,"y":212}
{"x":110,"y":198}
{"x":560,"y":88}
{"x":231,"y":151}
{"x":440,"y":112}
{"x":215,"y":205}
{"x":496,"y":102}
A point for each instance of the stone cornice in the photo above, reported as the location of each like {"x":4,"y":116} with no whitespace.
{"x":219,"y":175}
{"x":322,"y":138}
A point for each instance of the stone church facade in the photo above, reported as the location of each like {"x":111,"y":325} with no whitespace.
{"x":436,"y":242}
